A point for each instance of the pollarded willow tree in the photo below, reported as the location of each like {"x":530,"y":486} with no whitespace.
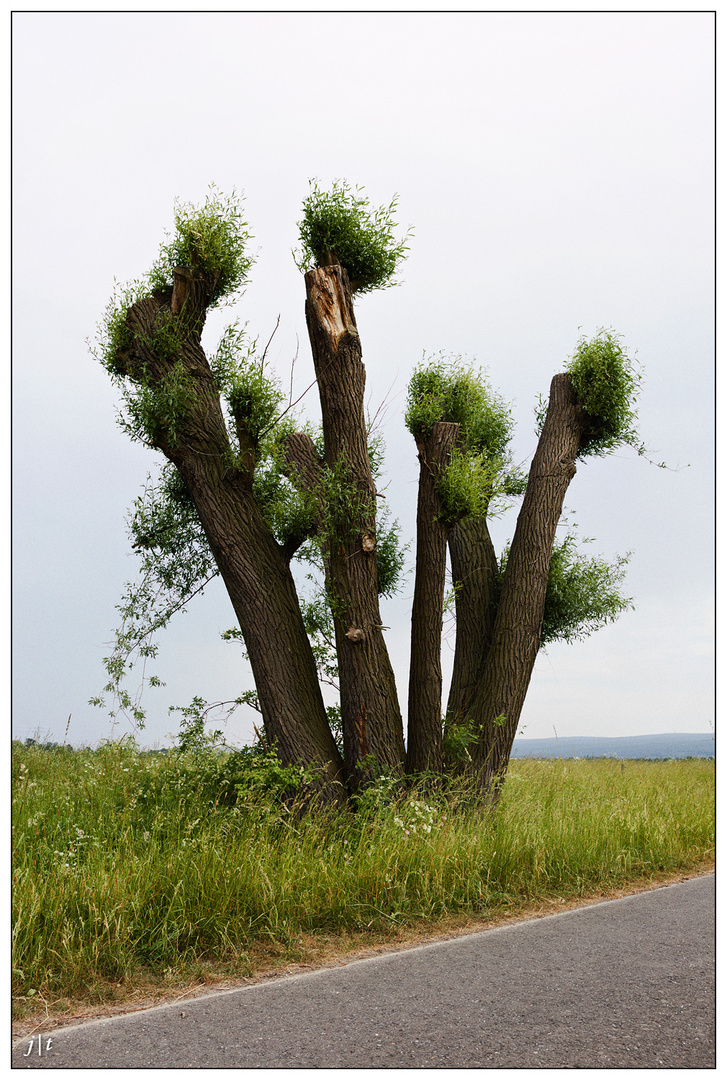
{"x":246,"y":490}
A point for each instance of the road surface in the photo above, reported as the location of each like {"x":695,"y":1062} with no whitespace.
{"x":623,"y":984}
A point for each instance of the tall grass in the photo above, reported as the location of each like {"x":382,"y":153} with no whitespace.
{"x":129,"y":863}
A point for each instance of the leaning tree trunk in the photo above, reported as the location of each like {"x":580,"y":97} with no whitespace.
{"x":372,"y":726}
{"x":254,"y":568}
{"x":424,"y":742}
{"x":497,"y":705}
{"x":474,"y":578}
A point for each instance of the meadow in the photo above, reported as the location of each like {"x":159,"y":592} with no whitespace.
{"x":187,"y":867}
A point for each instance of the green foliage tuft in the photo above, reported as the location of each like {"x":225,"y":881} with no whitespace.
{"x":445,"y":390}
{"x":318,"y":621}
{"x":288,"y":512}
{"x":210,"y":238}
{"x":457,"y":738}
{"x":339,"y":226}
{"x":157,"y":413}
{"x":113,"y":333}
{"x":449,"y":391}
{"x":344,"y":504}
{"x":254,"y":397}
{"x":232,"y":349}
{"x":606,"y":385}
{"x":390,"y":555}
{"x":583,"y":593}
{"x":466,"y":485}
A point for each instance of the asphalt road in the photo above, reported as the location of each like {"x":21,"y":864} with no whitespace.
{"x":622,"y":984}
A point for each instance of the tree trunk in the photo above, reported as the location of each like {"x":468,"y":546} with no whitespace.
{"x":372,"y":726}
{"x":498,"y":702}
{"x":424,"y":741}
{"x":474,"y":577}
{"x":263,"y":594}
{"x":253,"y":566}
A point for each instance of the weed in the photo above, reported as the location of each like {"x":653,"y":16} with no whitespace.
{"x":129,"y":864}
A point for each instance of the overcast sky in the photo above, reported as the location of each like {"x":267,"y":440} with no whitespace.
{"x":558,"y":171}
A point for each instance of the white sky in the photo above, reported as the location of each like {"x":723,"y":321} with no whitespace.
{"x":558,"y":171}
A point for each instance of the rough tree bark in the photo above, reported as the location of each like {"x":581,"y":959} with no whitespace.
{"x":498,"y":702}
{"x":252,"y":564}
{"x":372,"y":725}
{"x":474,"y":577}
{"x":424,"y":742}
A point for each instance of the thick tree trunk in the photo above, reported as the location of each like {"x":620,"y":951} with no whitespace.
{"x":474,"y":577}
{"x":259,"y":583}
{"x":253,"y":566}
{"x":372,"y":726}
{"x":498,"y":702}
{"x":424,"y":731}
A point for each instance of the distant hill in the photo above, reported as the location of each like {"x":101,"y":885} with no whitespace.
{"x":627,"y":746}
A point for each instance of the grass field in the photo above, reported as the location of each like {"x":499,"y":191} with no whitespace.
{"x":133,"y":868}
